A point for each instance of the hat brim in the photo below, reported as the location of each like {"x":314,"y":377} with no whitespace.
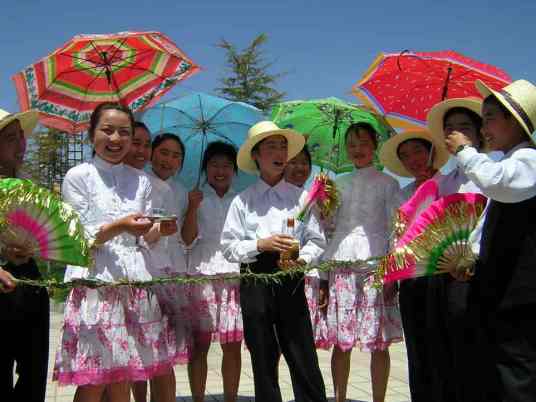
{"x":436,"y":115}
{"x":28,"y":120}
{"x":486,"y":91}
{"x":245,"y":162}
{"x":389,"y":155}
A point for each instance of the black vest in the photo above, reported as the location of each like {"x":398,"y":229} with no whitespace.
{"x":506,"y":273}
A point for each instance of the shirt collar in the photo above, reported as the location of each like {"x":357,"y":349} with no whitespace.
{"x":104,"y":165}
{"x":209,"y":190}
{"x":524,"y":144}
{"x":280,"y":188}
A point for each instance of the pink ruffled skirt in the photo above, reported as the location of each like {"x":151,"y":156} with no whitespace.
{"x":112,"y":335}
{"x":214,"y":311}
{"x":360,"y":314}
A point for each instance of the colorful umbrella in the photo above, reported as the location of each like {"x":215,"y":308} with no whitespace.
{"x":134,"y":68}
{"x":199,"y":119}
{"x":324,"y":122}
{"x":404,"y":86}
{"x":35,"y":218}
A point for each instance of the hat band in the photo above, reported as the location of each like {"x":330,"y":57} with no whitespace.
{"x":519,"y":110}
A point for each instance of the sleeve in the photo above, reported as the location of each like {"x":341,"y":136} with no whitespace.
{"x":510,"y":180}
{"x":313,"y":239}
{"x":236,"y":247}
{"x":394,"y":197}
{"x":75,"y":191}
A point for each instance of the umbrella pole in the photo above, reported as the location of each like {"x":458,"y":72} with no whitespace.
{"x":446,"y":86}
{"x":203,"y":145}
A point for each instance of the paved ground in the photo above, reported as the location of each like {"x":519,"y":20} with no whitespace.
{"x":358,"y":390}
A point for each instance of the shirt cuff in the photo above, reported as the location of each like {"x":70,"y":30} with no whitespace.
{"x":464,"y":156}
{"x":249,"y":247}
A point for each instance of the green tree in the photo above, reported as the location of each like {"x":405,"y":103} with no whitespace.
{"x":250,"y":79}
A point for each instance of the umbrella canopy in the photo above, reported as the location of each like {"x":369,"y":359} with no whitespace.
{"x":199,"y":119}
{"x":404,"y":86}
{"x":324,"y":123}
{"x":133,"y":68}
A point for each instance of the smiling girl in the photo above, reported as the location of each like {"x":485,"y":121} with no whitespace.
{"x":359,"y":314}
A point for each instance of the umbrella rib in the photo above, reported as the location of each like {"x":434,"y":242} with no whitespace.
{"x":224,"y":137}
{"x":116,"y":49}
{"x":220,"y":111}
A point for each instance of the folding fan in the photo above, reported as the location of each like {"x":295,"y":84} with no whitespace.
{"x":437,"y":241}
{"x":34,"y":218}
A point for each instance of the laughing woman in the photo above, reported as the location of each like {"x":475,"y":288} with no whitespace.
{"x":215,"y":305}
{"x":114,"y":335}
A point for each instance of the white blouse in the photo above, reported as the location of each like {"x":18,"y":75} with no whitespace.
{"x":363,"y":221}
{"x":205,"y":255}
{"x":175,"y":205}
{"x":162,"y":198}
{"x":259,"y":212}
{"x":102,"y":193}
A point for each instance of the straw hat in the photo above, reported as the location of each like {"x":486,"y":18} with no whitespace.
{"x":436,"y":115}
{"x":27,"y":120}
{"x":259,"y":132}
{"x":519,"y":98}
{"x":389,"y":155}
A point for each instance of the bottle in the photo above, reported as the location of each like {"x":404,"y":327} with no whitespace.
{"x":289,"y":226}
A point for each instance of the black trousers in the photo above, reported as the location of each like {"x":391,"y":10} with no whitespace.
{"x":511,"y":354}
{"x":281,"y":308}
{"x":455,"y":345}
{"x":412,"y":298}
{"x":24,"y":339}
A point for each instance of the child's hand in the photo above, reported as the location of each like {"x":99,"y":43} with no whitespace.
{"x":7,"y":282}
{"x":323,"y":296}
{"x":194,"y":199}
{"x":168,"y":227}
{"x":17,"y":254}
{"x":277,"y":243}
{"x":136,"y":224}
{"x":456,"y":139}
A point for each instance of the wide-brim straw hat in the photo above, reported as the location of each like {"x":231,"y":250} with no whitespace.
{"x":436,"y":115}
{"x":261,"y":131}
{"x":389,"y":155}
{"x":28,"y":120}
{"x":519,"y":98}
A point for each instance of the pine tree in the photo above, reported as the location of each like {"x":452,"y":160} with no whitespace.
{"x":250,"y":80}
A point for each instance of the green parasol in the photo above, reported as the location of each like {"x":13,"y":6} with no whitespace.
{"x":324,"y":123}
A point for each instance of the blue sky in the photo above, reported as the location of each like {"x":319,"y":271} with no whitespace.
{"x":323,"y":46}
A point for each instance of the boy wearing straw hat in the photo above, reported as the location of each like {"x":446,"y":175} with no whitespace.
{"x":252,"y":235}
{"x":25,"y":311}
{"x":504,"y":285}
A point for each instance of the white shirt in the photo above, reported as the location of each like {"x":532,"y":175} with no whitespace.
{"x":259,"y":212}
{"x":363,"y":220}
{"x":102,"y":193}
{"x":205,"y":256}
{"x":512,"y":178}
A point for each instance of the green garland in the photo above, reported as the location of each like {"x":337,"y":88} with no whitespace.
{"x":366,"y":266}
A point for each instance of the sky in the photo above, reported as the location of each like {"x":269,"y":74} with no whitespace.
{"x":323,"y":47}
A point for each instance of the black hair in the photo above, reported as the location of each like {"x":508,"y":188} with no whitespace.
{"x":492,"y":100}
{"x":355,"y":127}
{"x":219,"y":148}
{"x":160,"y":138}
{"x":307,"y":154}
{"x":425,"y":143}
{"x":141,"y":124}
{"x":101,"y":108}
{"x":474,"y":117}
